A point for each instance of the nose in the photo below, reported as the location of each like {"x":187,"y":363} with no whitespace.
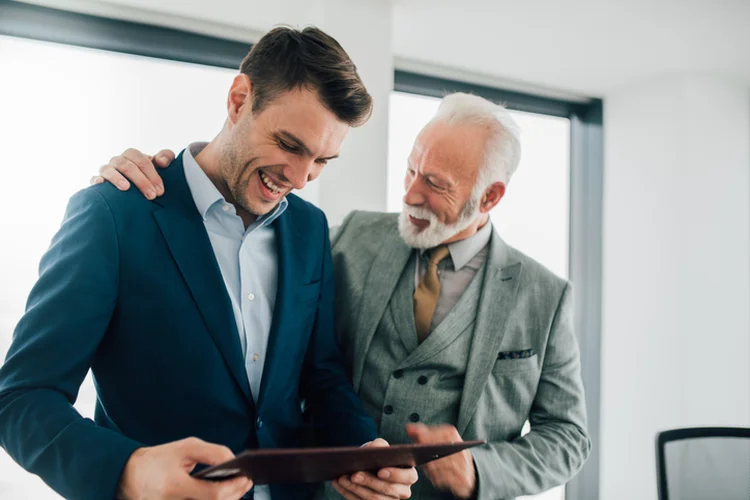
{"x":299,"y":173}
{"x":413,"y":195}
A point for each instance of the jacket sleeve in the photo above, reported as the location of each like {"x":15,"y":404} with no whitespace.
{"x":558,"y":444}
{"x":53,"y":346}
{"x":337,"y":413}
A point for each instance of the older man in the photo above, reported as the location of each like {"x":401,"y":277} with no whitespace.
{"x":448,"y":332}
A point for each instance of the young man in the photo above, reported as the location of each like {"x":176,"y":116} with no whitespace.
{"x":206,"y":316}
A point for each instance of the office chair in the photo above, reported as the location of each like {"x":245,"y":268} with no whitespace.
{"x":703,"y":463}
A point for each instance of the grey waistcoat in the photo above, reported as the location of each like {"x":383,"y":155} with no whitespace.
{"x":408,"y":382}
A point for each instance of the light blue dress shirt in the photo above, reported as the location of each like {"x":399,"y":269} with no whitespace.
{"x":249,"y":265}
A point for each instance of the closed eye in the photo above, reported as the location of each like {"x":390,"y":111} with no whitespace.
{"x":433,"y":185}
{"x":289,"y":148}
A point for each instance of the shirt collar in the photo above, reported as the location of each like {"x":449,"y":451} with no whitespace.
{"x":205,"y":193}
{"x":463,"y":251}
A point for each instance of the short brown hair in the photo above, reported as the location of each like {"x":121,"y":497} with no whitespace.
{"x":285,"y":59}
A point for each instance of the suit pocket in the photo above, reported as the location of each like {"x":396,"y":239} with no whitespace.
{"x":518,"y":365}
{"x":308,"y":293}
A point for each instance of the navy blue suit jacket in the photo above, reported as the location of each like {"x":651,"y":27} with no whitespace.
{"x":131,"y":289}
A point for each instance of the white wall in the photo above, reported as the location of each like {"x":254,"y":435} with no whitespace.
{"x":589,"y":47}
{"x":676,"y":326}
{"x":359,"y":178}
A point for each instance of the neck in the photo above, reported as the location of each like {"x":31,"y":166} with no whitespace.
{"x":469,"y":231}
{"x":209,"y":160}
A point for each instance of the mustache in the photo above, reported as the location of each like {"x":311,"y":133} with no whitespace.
{"x":419,"y":212}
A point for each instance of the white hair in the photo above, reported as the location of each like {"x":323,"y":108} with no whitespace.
{"x":501,"y":158}
{"x":503,"y":151}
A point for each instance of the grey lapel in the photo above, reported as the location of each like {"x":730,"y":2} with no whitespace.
{"x":454,"y":324}
{"x":496,"y":303}
{"x":378,"y":288}
{"x":402,"y":306}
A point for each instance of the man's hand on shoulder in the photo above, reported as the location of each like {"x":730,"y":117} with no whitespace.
{"x":164,"y":472}
{"x":133,"y":166}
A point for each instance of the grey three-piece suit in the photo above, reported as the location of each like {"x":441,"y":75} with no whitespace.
{"x":505,"y":353}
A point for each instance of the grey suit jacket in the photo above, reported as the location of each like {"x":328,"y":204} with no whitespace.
{"x":523,"y":306}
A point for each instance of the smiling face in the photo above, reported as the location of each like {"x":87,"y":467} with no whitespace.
{"x":441,"y":201}
{"x":282,"y":147}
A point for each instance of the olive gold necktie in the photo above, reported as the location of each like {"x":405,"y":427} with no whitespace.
{"x":427,"y":293}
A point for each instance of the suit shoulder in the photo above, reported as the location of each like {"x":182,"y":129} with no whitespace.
{"x":537,"y":273}
{"x":297,"y":203}
{"x":118,"y":201}
{"x":305,"y":210}
{"x":359,"y":222}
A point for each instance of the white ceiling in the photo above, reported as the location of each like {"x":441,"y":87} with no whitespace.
{"x":589,"y":47}
{"x":579,"y":47}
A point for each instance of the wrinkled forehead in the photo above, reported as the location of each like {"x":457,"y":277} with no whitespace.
{"x":455,"y":150}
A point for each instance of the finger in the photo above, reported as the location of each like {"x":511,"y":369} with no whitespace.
{"x":399,"y":475}
{"x":110,"y":174}
{"x":240,"y":489}
{"x":343,"y":492}
{"x":432,"y":472}
{"x":97,"y":179}
{"x":378,"y":443}
{"x":209,"y":490}
{"x":126,"y":168}
{"x":205,"y":453}
{"x":440,"y":477}
{"x":387,"y":488}
{"x":163,"y":158}
{"x":360,"y":491}
{"x":417,"y":432}
{"x":144,"y":164}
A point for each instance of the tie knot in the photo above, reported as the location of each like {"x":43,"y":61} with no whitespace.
{"x":438,"y":255}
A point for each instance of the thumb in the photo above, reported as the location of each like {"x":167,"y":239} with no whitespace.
{"x":205,"y":453}
{"x":379,"y":443}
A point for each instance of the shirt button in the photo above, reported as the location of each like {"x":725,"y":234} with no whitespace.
{"x":398,"y":374}
{"x":388,"y":409}
{"x":256,"y":356}
{"x":251,"y":296}
{"x":414,"y":417}
{"x":225,"y":207}
{"x":422,"y":380}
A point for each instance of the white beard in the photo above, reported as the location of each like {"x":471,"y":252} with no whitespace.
{"x":437,"y":232}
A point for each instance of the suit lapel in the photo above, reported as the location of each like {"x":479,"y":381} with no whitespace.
{"x":280,"y":335}
{"x":378,"y":288}
{"x":496,"y":303}
{"x":183,"y":229}
{"x":402,"y":306}
{"x":460,"y":317}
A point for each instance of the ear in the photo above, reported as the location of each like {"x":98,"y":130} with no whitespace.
{"x":240,"y":99}
{"x":492,"y":196}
